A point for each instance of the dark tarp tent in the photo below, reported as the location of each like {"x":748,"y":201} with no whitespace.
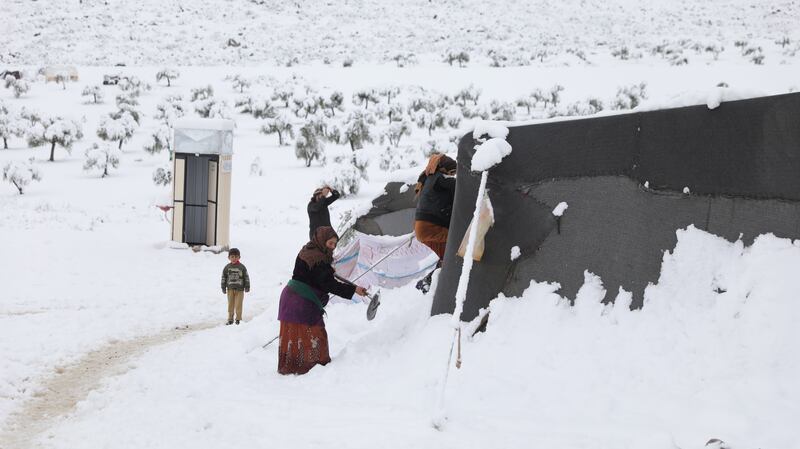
{"x":623,"y":177}
{"x":392,"y":213}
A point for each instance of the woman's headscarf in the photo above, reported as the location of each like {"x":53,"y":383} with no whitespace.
{"x":315,"y":251}
{"x":435,"y":162}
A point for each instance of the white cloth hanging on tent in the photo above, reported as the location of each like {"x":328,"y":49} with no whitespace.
{"x":408,"y":263}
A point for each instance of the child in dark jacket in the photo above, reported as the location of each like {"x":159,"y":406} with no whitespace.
{"x":235,"y":282}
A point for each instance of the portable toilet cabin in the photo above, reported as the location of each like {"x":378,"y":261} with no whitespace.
{"x":202,"y":181}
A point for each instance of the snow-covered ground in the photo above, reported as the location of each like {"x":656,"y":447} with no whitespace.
{"x":85,"y":263}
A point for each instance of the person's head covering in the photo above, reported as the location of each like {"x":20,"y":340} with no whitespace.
{"x":435,"y":163}
{"x":315,"y":251}
{"x":316,"y":194}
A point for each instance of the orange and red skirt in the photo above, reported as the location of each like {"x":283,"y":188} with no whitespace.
{"x":301,"y":348}
{"x":431,"y":235}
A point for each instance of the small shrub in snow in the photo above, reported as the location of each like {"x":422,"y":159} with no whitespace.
{"x":480,"y":111}
{"x":429,"y":120}
{"x":755,"y":55}
{"x":20,"y":87}
{"x":117,"y":128}
{"x":55,"y":131}
{"x":621,"y":52}
{"x":420,"y":104}
{"x":101,"y":158}
{"x":213,"y":108}
{"x":95,"y":92}
{"x":589,"y":106}
{"x":162,"y":176}
{"x":396,"y":131}
{"x":201,"y":93}
{"x":332,"y":102}
{"x":170,"y":109}
{"x":405,"y":59}
{"x":357,"y":129}
{"x":260,"y":107}
{"x":167,"y":74}
{"x":283,"y":93}
{"x":21,"y":174}
{"x":459,"y":56}
{"x":160,"y":140}
{"x":344,"y":178}
{"x":365,"y":97}
{"x":304,"y":105}
{"x":438,"y":146}
{"x":348,"y":62}
{"x":394,"y":158}
{"x":468,"y":94}
{"x":255,"y":167}
{"x":628,"y":97}
{"x":502,"y":110}
{"x":11,"y":124}
{"x":308,"y":145}
{"x":133,"y":86}
{"x":280,"y":125}
{"x":714,"y":49}
{"x":240,"y":83}
{"x":390,"y":112}
{"x":389,"y":92}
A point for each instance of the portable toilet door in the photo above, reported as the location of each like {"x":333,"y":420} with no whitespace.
{"x":202,"y":181}
{"x":197,"y":200}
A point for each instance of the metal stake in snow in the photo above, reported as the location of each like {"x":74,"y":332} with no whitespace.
{"x":487,"y":154}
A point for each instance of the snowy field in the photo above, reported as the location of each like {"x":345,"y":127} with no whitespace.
{"x":97,"y":301}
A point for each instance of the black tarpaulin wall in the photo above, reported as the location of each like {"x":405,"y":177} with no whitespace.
{"x":741,"y":162}
{"x":392,"y":213}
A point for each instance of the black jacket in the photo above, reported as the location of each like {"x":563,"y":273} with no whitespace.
{"x":435,"y":203}
{"x":318,"y":214}
{"x":321,"y":278}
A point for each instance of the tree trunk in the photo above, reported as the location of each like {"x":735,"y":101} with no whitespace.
{"x":352,"y":146}
{"x":308,"y":160}
{"x":52,"y":150}
{"x":168,"y":83}
{"x":17,"y":186}
{"x":120,"y":144}
{"x":5,"y":143}
{"x":280,"y":138}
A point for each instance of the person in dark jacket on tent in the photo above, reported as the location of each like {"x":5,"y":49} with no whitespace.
{"x":318,"y":214}
{"x":436,"y":189}
{"x":303,"y":339}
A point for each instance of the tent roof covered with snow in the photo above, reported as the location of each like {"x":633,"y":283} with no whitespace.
{"x":392,"y":213}
{"x":630,"y":180}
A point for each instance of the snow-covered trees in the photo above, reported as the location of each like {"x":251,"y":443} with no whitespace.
{"x":259,"y":107}
{"x":395,"y":131}
{"x":160,"y":140}
{"x":589,"y":106}
{"x":95,"y":92}
{"x":459,"y":56}
{"x":133,"y":86}
{"x":202,"y":93}
{"x":170,"y":109}
{"x":280,"y":125}
{"x":213,"y":108}
{"x":344,"y":177}
{"x":392,"y":112}
{"x":101,"y":158}
{"x":55,"y":131}
{"x":502,"y":110}
{"x":357,"y":129}
{"x":167,"y":74}
{"x":116,"y":129}
{"x":389,"y":92}
{"x":332,"y":102}
{"x":469,"y":93}
{"x":628,"y":97}
{"x":365,"y":97}
{"x":19,"y":86}
{"x":162,"y":176}
{"x":429,"y":120}
{"x":397,"y":158}
{"x":20,"y":174}
{"x":240,"y":83}
{"x":283,"y":93}
{"x":11,"y":124}
{"x":309,"y":145}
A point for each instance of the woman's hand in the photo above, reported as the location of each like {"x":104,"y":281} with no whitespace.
{"x":361,"y":291}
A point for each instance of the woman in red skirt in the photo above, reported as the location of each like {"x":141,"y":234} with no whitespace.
{"x":303,"y":340}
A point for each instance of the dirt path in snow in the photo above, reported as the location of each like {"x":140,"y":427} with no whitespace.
{"x":69,"y":385}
